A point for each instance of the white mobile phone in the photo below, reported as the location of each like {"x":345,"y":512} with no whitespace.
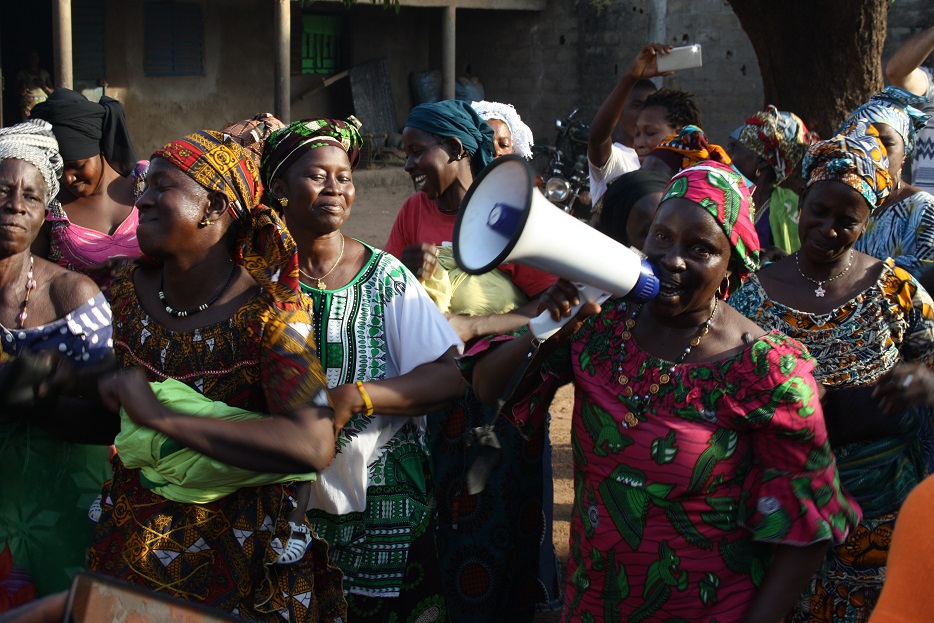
{"x":680,"y":58}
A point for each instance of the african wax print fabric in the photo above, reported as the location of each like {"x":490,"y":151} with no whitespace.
{"x":679,"y":499}
{"x":903,"y":231}
{"x":252,"y":133}
{"x":376,"y":499}
{"x":456,"y":119}
{"x":894,"y":107}
{"x":857,"y":159}
{"x":84,"y":250}
{"x":780,"y":137}
{"x":922,"y":166}
{"x":285,"y":146}
{"x":222,"y":553}
{"x":47,"y":483}
{"x":719,"y":190}
{"x":688,"y":147}
{"x":853,"y":346}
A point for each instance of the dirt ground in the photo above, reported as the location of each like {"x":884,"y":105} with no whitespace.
{"x":380,"y":194}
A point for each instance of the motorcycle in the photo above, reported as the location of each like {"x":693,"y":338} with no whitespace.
{"x":564,"y":174}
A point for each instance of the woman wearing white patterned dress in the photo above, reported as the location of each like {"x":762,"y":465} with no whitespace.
{"x":389,"y":354}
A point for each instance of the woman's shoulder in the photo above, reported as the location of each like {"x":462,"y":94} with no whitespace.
{"x":771,"y":359}
{"x":69,"y":290}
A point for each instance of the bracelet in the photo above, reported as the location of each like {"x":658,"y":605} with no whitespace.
{"x":366,"y":399}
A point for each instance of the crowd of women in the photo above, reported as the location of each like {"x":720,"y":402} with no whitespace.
{"x":212,"y":392}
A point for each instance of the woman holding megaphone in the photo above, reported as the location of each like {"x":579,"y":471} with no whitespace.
{"x":705,"y":487}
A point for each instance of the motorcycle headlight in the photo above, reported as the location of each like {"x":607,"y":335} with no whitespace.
{"x":557,"y":189}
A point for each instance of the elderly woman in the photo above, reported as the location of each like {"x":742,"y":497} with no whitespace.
{"x":510,"y":134}
{"x":903,"y":225}
{"x":47,"y":483}
{"x":705,"y":487}
{"x":94,"y":220}
{"x":766,"y":150}
{"x":388,"y":355}
{"x":489,"y":540}
{"x":215,"y":316}
{"x":859,"y":317}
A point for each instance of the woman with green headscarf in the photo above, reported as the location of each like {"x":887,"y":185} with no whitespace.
{"x":860,"y":317}
{"x":388,"y":355}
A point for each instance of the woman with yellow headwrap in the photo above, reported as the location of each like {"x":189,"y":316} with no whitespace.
{"x":216,"y":309}
{"x":859,"y":317}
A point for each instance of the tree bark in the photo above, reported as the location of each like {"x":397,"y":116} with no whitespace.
{"x":819,"y":58}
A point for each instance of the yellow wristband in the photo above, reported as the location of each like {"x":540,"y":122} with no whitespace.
{"x":366,"y":399}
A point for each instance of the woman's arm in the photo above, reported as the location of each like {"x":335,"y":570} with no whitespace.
{"x":301,"y":440}
{"x":792,"y":566}
{"x":472,"y":327}
{"x":902,"y":69}
{"x":426,"y":388}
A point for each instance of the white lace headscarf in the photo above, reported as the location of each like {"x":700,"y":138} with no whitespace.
{"x":521,"y":134}
{"x":33,"y":142}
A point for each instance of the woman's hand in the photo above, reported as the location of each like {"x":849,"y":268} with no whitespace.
{"x":905,"y":385}
{"x":346,"y":400}
{"x":129,"y":389}
{"x":465,"y":326}
{"x":559,"y":300}
{"x":645,"y":65}
{"x":421,"y":259}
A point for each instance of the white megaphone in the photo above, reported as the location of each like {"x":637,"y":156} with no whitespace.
{"x":505,"y":218}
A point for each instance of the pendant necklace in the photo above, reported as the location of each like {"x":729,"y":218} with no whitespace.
{"x":819,"y":292}
{"x":665,"y":377}
{"x":30,"y":286}
{"x":320,"y":280}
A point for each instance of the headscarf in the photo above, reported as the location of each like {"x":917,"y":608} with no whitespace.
{"x":779,"y":137}
{"x":688,"y":147}
{"x":521,"y":134}
{"x":284,"y":147}
{"x":456,"y":119}
{"x":264,"y":245}
{"x":894,"y":107}
{"x":720,"y":190}
{"x":85,"y":129}
{"x":33,"y":142}
{"x":857,"y":159}
{"x":252,"y":133}
{"x":622,"y":194}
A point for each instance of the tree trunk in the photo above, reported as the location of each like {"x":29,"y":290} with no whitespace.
{"x":819,"y":58}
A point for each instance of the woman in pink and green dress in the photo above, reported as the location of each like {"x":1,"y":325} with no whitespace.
{"x":705,"y":488}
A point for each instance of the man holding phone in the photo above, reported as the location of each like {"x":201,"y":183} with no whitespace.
{"x":609,"y":160}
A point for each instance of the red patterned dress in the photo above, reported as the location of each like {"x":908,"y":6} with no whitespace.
{"x":679,"y":498}
{"x":221,"y":553}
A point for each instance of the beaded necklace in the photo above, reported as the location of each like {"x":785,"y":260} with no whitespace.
{"x":194,"y":310}
{"x":30,"y":286}
{"x":665,"y":377}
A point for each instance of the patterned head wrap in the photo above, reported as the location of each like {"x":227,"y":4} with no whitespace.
{"x":85,"y":129}
{"x":857,"y":159}
{"x":688,"y":147}
{"x":720,"y":190}
{"x":779,"y":137}
{"x":521,"y":134}
{"x":252,"y":133}
{"x":456,"y":119}
{"x":284,"y":147}
{"x":894,"y":107}
{"x":264,"y":245}
{"x":34,"y":142}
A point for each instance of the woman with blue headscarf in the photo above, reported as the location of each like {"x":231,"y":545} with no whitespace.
{"x":903,"y":226}
{"x":489,"y":542}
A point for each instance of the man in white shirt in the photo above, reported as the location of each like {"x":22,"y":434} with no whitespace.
{"x":904,"y":70}
{"x":607,"y":159}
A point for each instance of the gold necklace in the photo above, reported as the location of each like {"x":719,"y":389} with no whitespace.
{"x":320,"y":280}
{"x":665,"y":377}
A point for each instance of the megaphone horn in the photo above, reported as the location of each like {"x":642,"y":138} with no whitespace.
{"x":505,"y":218}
